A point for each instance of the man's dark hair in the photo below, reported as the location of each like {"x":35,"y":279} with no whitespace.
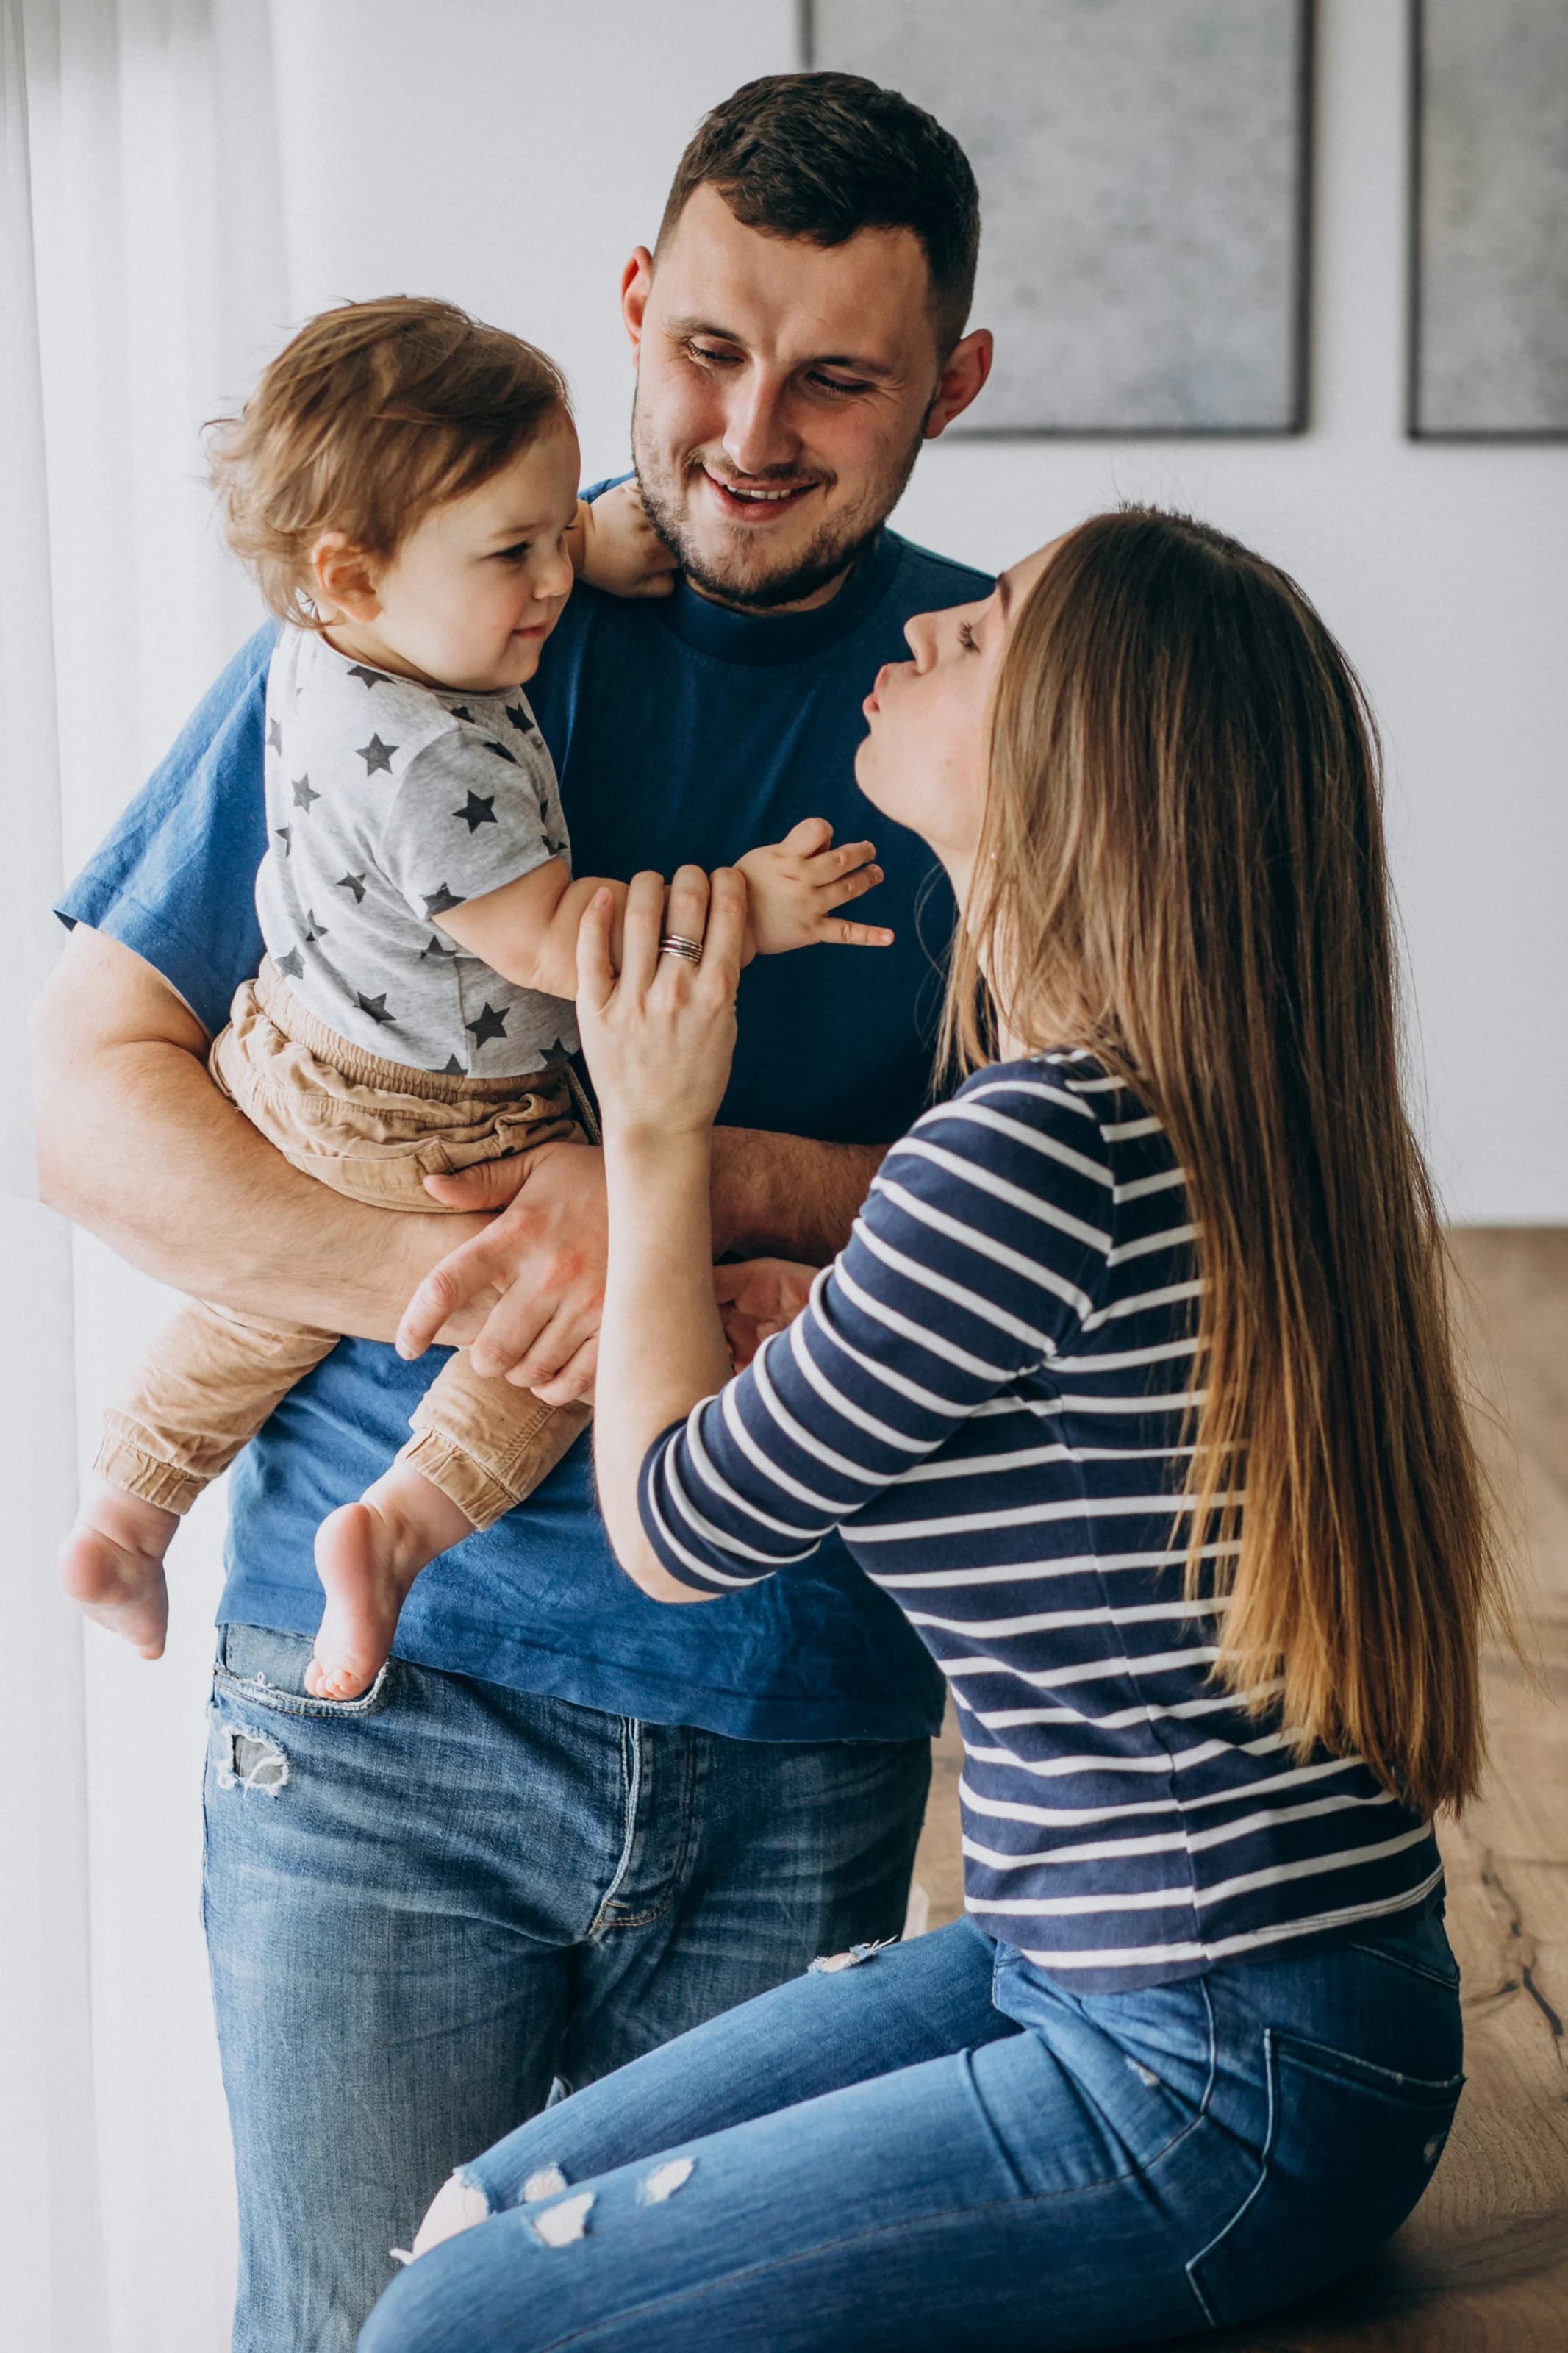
{"x":821,"y":155}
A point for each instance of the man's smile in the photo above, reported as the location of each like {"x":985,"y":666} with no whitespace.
{"x":756,"y":502}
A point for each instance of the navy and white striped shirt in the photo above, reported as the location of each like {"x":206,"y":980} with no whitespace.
{"x":988,"y":1395}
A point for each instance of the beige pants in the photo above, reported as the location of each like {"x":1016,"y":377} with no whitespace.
{"x":373,"y":1130}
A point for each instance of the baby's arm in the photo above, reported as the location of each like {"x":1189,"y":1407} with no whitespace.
{"x":614,"y":546}
{"x":527,"y":931}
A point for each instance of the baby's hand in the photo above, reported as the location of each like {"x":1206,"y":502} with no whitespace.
{"x":796,"y":884}
{"x":614,"y":547}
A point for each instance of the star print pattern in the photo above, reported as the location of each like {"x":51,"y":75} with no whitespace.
{"x":443,"y":803}
{"x":489,"y":1024}
{"x":376,"y":755}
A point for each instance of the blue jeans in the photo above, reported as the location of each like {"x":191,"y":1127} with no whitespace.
{"x":942,"y":2149}
{"x":425,"y":1906}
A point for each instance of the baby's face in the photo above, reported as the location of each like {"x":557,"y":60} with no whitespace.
{"x":477,"y":588}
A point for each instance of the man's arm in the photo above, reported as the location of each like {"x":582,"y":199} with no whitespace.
{"x":542,"y":1262}
{"x":137,"y":1143}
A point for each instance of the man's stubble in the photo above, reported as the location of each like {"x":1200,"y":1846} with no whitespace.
{"x":750,"y":585}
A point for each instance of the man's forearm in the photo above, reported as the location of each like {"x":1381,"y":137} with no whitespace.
{"x":787,"y":1195}
{"x":136,"y":1144}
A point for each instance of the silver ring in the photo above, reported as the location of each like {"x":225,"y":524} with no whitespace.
{"x":675,"y":944}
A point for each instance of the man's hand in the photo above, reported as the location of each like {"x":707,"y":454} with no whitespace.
{"x":535,"y":1275}
{"x":758,"y":1298}
{"x":530,"y":1286}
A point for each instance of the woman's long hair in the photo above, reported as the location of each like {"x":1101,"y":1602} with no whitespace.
{"x":1182,"y":868}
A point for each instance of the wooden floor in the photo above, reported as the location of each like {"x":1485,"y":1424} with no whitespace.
{"x":1482,"y":2267}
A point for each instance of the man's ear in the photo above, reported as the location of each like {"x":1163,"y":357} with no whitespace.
{"x":344,"y":577}
{"x":968,"y":366}
{"x":637,"y":284}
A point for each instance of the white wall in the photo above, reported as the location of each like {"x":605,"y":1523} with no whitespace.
{"x":510,"y":155}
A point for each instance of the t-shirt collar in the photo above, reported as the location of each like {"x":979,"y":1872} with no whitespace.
{"x":768,"y":638}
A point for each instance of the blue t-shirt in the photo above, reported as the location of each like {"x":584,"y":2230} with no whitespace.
{"x":680,"y":731}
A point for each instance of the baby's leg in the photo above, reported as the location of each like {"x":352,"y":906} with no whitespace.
{"x":479,"y":1446}
{"x":205,"y":1389}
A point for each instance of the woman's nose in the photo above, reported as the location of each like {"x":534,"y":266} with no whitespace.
{"x":920,"y":636}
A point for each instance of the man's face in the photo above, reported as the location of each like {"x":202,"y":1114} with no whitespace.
{"x":784,"y":389}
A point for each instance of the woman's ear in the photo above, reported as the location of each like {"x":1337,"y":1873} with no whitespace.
{"x":344,"y":579}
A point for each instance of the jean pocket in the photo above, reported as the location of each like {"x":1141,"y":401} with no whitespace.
{"x":262,"y":1667}
{"x":1349,"y":2151}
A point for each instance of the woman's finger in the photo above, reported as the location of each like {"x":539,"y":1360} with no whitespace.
{"x":686,"y":916}
{"x":595,"y":973}
{"x":641,"y":931}
{"x":726,"y":931}
{"x":856,"y":935}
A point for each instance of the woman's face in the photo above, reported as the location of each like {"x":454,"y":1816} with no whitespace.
{"x":923,"y":759}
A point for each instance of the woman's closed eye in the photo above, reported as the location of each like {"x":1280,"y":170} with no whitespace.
{"x":967,"y":638}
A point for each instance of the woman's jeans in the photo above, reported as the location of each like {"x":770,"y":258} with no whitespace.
{"x":937,"y":2146}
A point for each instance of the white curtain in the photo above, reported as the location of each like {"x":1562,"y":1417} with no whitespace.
{"x":143,"y":278}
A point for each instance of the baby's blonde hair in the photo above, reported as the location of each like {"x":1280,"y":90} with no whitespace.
{"x":375,"y":413}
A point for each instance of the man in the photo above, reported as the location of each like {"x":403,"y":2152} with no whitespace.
{"x":559,"y":1829}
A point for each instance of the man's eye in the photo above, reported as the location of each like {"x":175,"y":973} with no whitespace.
{"x":838,"y":384}
{"x":712,"y":358}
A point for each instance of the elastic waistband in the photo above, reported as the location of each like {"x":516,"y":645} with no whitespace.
{"x":303,"y":1028}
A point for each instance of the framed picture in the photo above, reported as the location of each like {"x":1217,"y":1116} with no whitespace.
{"x":1144,"y":170}
{"x":1489,"y":267}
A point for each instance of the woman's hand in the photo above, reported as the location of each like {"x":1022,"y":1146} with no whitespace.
{"x":659,"y":1035}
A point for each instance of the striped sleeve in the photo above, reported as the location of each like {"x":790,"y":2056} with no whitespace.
{"x":977,"y":1256}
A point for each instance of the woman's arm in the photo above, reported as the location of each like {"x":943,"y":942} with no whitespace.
{"x":663,"y":1053}
{"x":975,"y":1255}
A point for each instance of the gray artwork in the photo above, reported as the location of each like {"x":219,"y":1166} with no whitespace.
{"x":1491,"y":342}
{"x":1142,"y":181}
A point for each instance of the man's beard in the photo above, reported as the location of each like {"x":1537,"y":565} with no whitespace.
{"x":743,"y":583}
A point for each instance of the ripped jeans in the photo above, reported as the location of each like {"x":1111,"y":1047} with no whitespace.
{"x":942,"y":2149}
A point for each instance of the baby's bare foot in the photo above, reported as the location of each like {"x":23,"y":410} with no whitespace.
{"x":111,"y":1564}
{"x":367,"y":1555}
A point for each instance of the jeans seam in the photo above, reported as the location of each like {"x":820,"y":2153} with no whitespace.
{"x":631,"y":1774}
{"x":1412,"y":1967}
{"x":1270,"y":2049}
{"x":678,"y":1869}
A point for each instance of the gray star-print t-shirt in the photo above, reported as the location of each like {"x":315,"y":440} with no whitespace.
{"x":387,"y":804}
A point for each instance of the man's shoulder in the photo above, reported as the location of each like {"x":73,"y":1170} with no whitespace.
{"x":941,"y":579}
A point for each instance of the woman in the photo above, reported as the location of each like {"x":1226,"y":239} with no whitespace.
{"x":1195,"y":2048}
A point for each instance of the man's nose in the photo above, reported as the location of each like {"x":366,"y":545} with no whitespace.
{"x":758,"y":434}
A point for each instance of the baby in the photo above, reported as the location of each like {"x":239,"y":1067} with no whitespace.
{"x":403,"y":484}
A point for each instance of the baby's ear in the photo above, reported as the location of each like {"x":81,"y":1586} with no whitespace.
{"x":344,"y":577}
